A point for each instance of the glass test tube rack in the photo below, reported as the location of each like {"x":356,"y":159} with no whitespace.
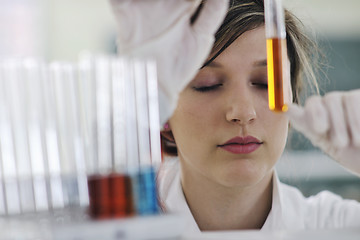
{"x":79,"y":143}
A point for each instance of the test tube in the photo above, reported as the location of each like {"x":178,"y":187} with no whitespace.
{"x":31,"y":82}
{"x":11,"y":193}
{"x":276,"y":55}
{"x":2,"y":190}
{"x":62,"y":76}
{"x":98,"y":179}
{"x":17,"y":105}
{"x":120,"y":181}
{"x":52,"y":137}
{"x":148,"y":143}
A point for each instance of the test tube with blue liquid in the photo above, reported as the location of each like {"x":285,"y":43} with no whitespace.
{"x":148,"y":150}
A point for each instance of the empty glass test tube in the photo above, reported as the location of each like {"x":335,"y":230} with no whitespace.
{"x":278,"y":86}
{"x":32,"y":74}
{"x":10,"y":201}
{"x":63,"y":81}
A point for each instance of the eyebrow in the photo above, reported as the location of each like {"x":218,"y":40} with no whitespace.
{"x":261,"y":63}
{"x":214,"y":64}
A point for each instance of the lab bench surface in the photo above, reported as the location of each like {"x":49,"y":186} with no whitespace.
{"x":348,"y":234}
{"x":150,"y":228}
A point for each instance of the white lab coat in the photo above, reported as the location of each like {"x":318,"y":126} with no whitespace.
{"x":290,"y":209}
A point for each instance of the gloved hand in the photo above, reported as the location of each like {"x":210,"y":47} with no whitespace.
{"x":332,"y":123}
{"x":161,"y":29}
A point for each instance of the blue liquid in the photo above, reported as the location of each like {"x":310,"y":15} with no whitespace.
{"x":146,"y":192}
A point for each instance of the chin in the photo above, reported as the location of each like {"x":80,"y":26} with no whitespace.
{"x":243,"y":176}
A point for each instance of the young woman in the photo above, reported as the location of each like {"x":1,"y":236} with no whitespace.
{"x":219,"y":126}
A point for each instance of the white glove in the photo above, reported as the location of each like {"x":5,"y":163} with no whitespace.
{"x":332,"y":123}
{"x":161,"y":29}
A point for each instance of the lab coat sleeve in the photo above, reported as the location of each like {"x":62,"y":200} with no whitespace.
{"x":325,"y":210}
{"x":334,"y":211}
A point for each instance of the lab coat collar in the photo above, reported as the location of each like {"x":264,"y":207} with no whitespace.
{"x":275,"y":219}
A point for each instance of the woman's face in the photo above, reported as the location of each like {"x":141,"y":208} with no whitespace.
{"x":222,"y":126}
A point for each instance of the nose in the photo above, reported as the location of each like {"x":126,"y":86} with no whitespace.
{"x":241,"y":109}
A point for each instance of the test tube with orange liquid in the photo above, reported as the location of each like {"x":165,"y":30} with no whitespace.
{"x":276,"y":55}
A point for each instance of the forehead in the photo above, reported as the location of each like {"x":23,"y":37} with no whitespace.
{"x":248,"y":48}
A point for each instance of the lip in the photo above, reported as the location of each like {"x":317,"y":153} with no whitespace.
{"x":241,"y":145}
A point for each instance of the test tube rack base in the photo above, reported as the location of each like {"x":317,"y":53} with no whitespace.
{"x":167,"y":226}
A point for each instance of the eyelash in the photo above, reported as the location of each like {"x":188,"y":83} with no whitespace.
{"x":260,"y":85}
{"x":207,"y":88}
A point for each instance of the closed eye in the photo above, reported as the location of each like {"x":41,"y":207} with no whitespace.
{"x":207,"y":88}
{"x":260,"y":85}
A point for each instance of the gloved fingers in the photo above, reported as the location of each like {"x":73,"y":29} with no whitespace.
{"x":351,"y":101}
{"x":338,"y":133}
{"x":211,"y":16}
{"x":316,"y":115}
{"x":306,"y":119}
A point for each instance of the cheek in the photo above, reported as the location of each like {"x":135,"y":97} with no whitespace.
{"x":277,"y":131}
{"x":191,"y":122}
{"x":196,"y":112}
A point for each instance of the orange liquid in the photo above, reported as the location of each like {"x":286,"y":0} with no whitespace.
{"x":276,"y":53}
{"x":121,"y":196}
{"x":110,"y":196}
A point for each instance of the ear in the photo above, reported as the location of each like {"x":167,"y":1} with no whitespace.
{"x":166,"y":133}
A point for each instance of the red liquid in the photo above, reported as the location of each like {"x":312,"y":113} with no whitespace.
{"x":121,"y":195}
{"x":110,"y":196}
{"x":99,"y":196}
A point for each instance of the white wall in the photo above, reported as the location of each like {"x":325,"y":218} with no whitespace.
{"x":72,"y":26}
{"x":75,"y":25}
{"x":66,"y":27}
{"x":331,"y":18}
{"x":20,"y":31}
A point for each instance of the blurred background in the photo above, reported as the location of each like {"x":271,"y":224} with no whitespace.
{"x":61,"y":30}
